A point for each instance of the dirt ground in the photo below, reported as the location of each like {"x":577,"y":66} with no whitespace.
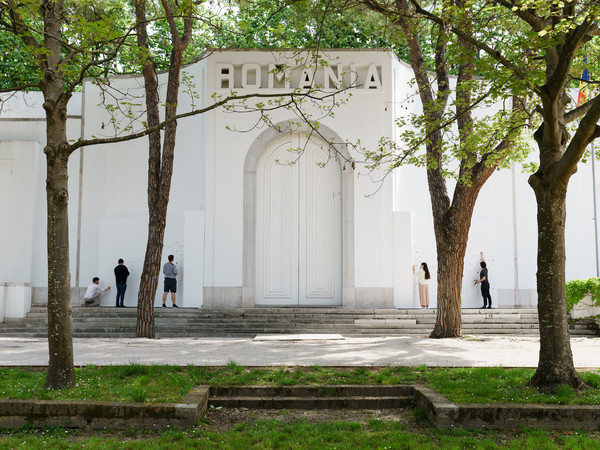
{"x":225,"y":419}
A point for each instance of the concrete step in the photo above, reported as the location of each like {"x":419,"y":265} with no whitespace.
{"x":312,"y":397}
{"x":196,"y":320}
{"x":189,"y":322}
{"x":313,"y":403}
{"x":503,"y":331}
{"x":499,"y":325}
{"x":312,"y":391}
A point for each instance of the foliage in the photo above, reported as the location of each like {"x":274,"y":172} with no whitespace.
{"x":459,"y":157}
{"x":95,"y":32}
{"x":16,"y":67}
{"x":207,"y":26}
{"x":578,"y":289}
{"x":494,"y":122}
{"x":304,"y":24}
{"x":264,"y":24}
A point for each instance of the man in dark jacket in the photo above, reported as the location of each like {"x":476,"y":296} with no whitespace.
{"x":121,"y":274}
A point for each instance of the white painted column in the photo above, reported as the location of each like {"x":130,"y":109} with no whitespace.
{"x":17,"y":300}
{"x":193,"y":247}
{"x":403,"y":276}
{"x":1,"y":302}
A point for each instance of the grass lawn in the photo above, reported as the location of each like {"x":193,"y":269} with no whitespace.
{"x":237,"y":429}
{"x":278,"y":434}
{"x":170,"y":383}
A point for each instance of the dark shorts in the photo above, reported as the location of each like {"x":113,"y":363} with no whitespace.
{"x":170,"y":285}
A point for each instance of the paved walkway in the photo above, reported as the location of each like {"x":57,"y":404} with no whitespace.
{"x":395,"y":351}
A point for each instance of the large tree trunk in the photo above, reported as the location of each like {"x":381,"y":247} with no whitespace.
{"x":60,"y":338}
{"x":451,"y":226}
{"x":450,"y":259}
{"x":555,"y":364}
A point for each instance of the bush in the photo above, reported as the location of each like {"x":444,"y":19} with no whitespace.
{"x":577,"y":289}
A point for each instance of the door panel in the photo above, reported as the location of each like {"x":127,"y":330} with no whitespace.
{"x":319,"y":228}
{"x":277,"y":227}
{"x":298,"y":218}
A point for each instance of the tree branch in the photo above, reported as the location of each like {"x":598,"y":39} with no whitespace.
{"x":97,"y":141}
{"x":561,"y":71}
{"x":583,"y":136}
{"x":83,"y":72}
{"x":23,"y":87}
{"x":171,"y":22}
{"x":580,"y":111}
{"x":536,"y":22}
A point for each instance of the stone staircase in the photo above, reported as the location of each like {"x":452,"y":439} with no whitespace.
{"x":312,"y":397}
{"x":248,"y":322}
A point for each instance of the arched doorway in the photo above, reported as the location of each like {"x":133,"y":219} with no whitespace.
{"x":298,"y":223}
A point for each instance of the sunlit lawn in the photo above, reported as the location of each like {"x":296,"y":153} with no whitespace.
{"x":170,"y":383}
{"x":275,"y":434}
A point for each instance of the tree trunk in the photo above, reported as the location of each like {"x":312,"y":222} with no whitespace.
{"x":150,"y":275}
{"x":450,"y":259}
{"x":60,"y":337}
{"x":451,"y":238}
{"x":555,"y":364}
{"x":160,"y":167}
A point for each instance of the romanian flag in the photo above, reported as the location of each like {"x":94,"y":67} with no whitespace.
{"x":583,"y":86}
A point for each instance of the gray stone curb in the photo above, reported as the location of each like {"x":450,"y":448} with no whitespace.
{"x":105,"y":415}
{"x":444,"y":414}
{"x":440,"y":411}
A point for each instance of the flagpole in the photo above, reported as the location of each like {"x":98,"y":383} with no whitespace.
{"x":595,"y":210}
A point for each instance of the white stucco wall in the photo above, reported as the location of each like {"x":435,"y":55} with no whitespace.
{"x":23,"y":195}
{"x":115,"y":208}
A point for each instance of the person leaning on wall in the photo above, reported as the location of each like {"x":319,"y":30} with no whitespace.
{"x":485,"y":284}
{"x":423,"y":278}
{"x":93,"y":293}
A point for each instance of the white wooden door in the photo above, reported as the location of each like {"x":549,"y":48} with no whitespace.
{"x":298,"y":220}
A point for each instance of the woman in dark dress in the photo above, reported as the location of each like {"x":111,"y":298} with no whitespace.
{"x":485,"y":286}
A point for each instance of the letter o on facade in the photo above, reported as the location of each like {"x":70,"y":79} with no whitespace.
{"x":251,"y":76}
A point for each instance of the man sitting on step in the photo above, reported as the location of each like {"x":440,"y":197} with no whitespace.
{"x":93,"y":293}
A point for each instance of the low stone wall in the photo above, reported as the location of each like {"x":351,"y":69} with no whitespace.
{"x":445,"y":414}
{"x":105,"y":415}
{"x":442,"y":413}
{"x":508,"y":416}
{"x":586,"y":307}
